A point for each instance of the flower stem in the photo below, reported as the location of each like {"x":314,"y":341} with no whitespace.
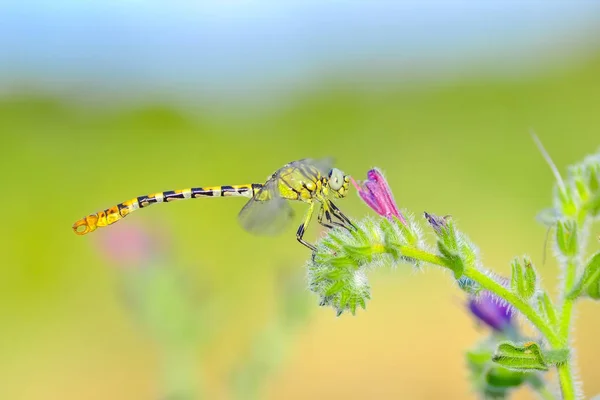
{"x":565,"y":374}
{"x":519,"y":304}
{"x":421,"y":255}
{"x":565,"y":377}
{"x":567,"y":307}
{"x":556,"y":340}
{"x":494,"y":287}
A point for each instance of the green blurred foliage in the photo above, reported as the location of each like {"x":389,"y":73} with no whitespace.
{"x":462,"y":149}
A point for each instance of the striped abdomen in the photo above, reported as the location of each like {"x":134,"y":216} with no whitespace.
{"x":120,"y":211}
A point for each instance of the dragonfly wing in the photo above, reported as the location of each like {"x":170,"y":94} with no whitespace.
{"x":266,"y":217}
{"x":323,"y":165}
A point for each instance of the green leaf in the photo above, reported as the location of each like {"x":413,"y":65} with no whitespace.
{"x":344,"y":298}
{"x":448,"y":235}
{"x":360,"y":253}
{"x":361,"y":235}
{"x":593,"y":178}
{"x":516,"y":279}
{"x":566,"y":237}
{"x":344,"y":261}
{"x":500,"y":377}
{"x":578,"y":177}
{"x":592,"y":207}
{"x":453,"y":261}
{"x":389,"y":233}
{"x":566,"y":199}
{"x":492,"y":380}
{"x":589,"y":284}
{"x":524,"y":278}
{"x":558,"y":356}
{"x":525,"y":357}
{"x":530,"y":278}
{"x":391,"y":238}
{"x":467,"y":252}
{"x":547,"y":308}
{"x":409,"y":235}
{"x":335,"y":288}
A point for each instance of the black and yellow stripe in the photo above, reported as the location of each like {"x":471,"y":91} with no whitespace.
{"x":113,"y":214}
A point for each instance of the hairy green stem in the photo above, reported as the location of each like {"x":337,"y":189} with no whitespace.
{"x":567,"y":306}
{"x":519,"y":304}
{"x":556,"y":340}
{"x":565,"y":374}
{"x":494,"y":287}
{"x":565,"y":377}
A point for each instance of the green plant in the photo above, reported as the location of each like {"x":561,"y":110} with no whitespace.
{"x":337,"y":273}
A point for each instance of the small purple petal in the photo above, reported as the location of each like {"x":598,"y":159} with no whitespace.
{"x":437,"y":223}
{"x":489,"y":310}
{"x":369,"y":197}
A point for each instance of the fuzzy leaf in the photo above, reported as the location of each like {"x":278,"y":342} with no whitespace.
{"x":558,"y":356}
{"x":389,"y":233}
{"x":582,"y":189}
{"x":589,"y":284}
{"x":505,"y":378}
{"x":409,"y":235}
{"x":593,"y":205}
{"x":359,"y":253}
{"x":524,"y":278}
{"x":525,"y":357}
{"x":546,"y":308}
{"x":566,"y":237}
{"x":530,"y":279}
{"x":453,"y":261}
{"x":567,"y":201}
{"x":594,"y":178}
{"x":492,"y":380}
{"x":361,"y":235}
{"x":516,"y":279}
{"x":335,"y":288}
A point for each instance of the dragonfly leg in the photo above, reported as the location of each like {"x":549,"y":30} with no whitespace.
{"x":320,"y":217}
{"x":326,"y":211}
{"x":302,"y":227}
{"x":338,"y":214}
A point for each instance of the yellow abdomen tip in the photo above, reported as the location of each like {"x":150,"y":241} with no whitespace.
{"x":81,"y":227}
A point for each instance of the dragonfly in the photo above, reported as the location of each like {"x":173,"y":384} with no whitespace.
{"x":312,"y":181}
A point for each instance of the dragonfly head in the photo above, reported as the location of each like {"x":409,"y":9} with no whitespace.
{"x":338,"y":183}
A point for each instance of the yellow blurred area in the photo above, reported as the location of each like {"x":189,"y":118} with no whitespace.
{"x":462,"y":149}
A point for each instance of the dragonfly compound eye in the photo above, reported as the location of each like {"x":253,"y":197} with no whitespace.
{"x":336,"y":179}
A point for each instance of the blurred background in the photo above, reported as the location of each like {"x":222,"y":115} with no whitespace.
{"x":103,"y":101}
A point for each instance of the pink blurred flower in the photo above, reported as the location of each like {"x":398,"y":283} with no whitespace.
{"x":376,"y":192}
{"x":129,"y":246}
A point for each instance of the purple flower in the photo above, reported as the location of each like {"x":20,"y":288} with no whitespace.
{"x":493,"y":312}
{"x":376,"y":192}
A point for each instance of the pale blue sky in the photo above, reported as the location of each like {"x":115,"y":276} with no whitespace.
{"x":235,"y":47}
